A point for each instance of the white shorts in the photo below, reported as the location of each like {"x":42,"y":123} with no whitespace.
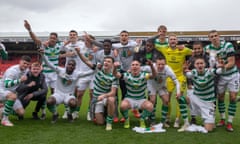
{"x":99,"y":106}
{"x":62,"y":98}
{"x":85,"y":82}
{"x":205,"y":109}
{"x":17,"y":105}
{"x":228,"y":82}
{"x":154,"y":89}
{"x":135,"y":104}
{"x":3,"y":94}
{"x":51,"y":79}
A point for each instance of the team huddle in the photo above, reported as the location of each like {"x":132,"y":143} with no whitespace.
{"x":142,"y":69}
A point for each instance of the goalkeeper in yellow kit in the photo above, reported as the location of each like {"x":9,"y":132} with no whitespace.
{"x":175,"y":58}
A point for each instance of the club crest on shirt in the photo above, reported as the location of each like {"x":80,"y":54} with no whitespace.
{"x":135,"y":86}
{"x":102,"y":83}
{"x":160,"y":80}
{"x":66,"y":82}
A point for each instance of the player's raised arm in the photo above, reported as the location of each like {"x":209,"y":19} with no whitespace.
{"x":154,"y":73}
{"x":115,"y":72}
{"x":84,"y":59}
{"x":95,"y":42}
{"x":32,"y":35}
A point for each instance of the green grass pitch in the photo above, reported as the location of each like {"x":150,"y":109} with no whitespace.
{"x":81,"y":131}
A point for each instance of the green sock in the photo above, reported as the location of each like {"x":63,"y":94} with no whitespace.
{"x":232,"y":108}
{"x":8,"y":107}
{"x":52,"y":108}
{"x":183,"y":107}
{"x":109,"y":119}
{"x":77,"y":108}
{"x":125,"y":114}
{"x":145,"y":114}
{"x":164,"y":113}
{"x":221,"y":106}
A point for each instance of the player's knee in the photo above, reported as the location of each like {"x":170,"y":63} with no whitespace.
{"x":152,"y":99}
{"x":51,"y":101}
{"x":12,"y":96}
{"x":99,"y":119}
{"x":20,"y":111}
{"x":221,"y":97}
{"x":124,"y":105}
{"x":80,"y":93}
{"x":110,"y":100}
{"x":149,"y":106}
{"x":72,"y":103}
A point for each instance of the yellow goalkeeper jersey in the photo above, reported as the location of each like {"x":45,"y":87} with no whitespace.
{"x":175,"y":58}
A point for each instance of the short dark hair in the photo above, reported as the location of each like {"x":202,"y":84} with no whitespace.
{"x":54,"y":33}
{"x":73,"y":31}
{"x":124,"y":31}
{"x":107,"y":40}
{"x":162,"y":27}
{"x":109,"y":57}
{"x":199,"y":57}
{"x":26,"y":58}
{"x":161,"y":58}
{"x":72,"y":60}
{"x":212,"y":31}
{"x":36,"y":64}
{"x":136,"y":61}
{"x":150,"y":41}
{"x":198,"y":43}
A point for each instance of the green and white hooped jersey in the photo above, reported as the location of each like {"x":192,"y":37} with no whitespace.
{"x":225,"y":50}
{"x":103,"y":83}
{"x":136,"y":85}
{"x":11,"y":78}
{"x":52,"y":54}
{"x":158,"y":44}
{"x":204,"y":83}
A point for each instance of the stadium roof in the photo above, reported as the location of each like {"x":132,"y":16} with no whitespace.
{"x":100,"y":35}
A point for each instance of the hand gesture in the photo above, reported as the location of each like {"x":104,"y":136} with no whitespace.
{"x":178,"y":95}
{"x":101,"y":97}
{"x":149,"y":62}
{"x":32,"y":83}
{"x":27,"y":25}
{"x":115,"y":52}
{"x":41,"y":50}
{"x":220,"y":63}
{"x":77,"y":49}
{"x":46,"y":44}
{"x":87,"y":37}
{"x":99,"y":66}
{"x":23,"y":78}
{"x":138,"y":41}
{"x":117,"y":64}
{"x":186,"y":66}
